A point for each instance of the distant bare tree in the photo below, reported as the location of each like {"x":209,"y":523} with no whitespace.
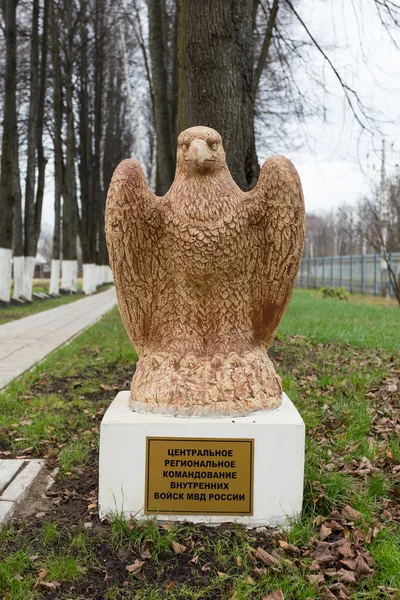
{"x":9,"y":188}
{"x":381,"y":215}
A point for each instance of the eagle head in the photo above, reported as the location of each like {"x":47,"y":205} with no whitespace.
{"x":200,"y":150}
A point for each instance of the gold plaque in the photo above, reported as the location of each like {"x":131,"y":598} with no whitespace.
{"x":204,"y":476}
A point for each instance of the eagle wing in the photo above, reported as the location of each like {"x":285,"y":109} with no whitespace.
{"x":133,"y":226}
{"x":277,"y":226}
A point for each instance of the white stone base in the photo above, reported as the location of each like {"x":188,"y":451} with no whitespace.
{"x":29,"y":272}
{"x":69,"y":272}
{"x":89,"y":283}
{"x":278,"y":435}
{"x":5,"y":274}
{"x":55,"y":276}
{"x":19,"y":276}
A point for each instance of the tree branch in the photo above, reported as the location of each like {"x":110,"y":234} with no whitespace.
{"x":349,"y":92}
{"x":266,"y":44}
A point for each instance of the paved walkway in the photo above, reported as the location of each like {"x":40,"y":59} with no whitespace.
{"x":27,"y":341}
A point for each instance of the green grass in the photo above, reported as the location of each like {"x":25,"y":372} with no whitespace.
{"x":331,"y":320}
{"x":333,"y":368}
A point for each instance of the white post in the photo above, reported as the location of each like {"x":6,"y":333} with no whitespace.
{"x":29,"y":272}
{"x":19,"y":276}
{"x":89,"y":278}
{"x":99,"y":275}
{"x":109,"y":275}
{"x":5,"y":274}
{"x":74,"y":283}
{"x":55,"y":276}
{"x":69,"y":275}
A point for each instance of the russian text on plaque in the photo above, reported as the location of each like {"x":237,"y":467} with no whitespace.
{"x":199,"y":476}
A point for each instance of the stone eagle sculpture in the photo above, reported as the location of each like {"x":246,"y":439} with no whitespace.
{"x":204,"y":275}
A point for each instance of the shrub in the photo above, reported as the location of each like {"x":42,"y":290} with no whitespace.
{"x":339,"y":293}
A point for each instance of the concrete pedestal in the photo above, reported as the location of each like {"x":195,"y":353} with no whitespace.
{"x":278,"y":436}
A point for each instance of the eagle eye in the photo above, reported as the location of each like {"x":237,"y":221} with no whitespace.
{"x":214,"y":145}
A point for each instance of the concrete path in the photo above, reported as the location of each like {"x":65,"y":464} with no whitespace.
{"x":27,"y":341}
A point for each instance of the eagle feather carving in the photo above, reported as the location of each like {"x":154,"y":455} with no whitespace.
{"x":204,"y":276}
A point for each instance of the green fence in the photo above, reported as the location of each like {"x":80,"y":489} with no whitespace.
{"x":363,"y":273}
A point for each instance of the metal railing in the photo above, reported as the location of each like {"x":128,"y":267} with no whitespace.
{"x":363,"y":273}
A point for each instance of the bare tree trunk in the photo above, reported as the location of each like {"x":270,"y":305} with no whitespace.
{"x":70,"y":213}
{"x":162,"y":118}
{"x":215,"y":85}
{"x":9,"y":153}
{"x":41,"y":159}
{"x":58,"y":154}
{"x":87,"y":233}
{"x":18,"y":242}
{"x":173,"y":91}
{"x":29,"y":216}
{"x":98,"y":191}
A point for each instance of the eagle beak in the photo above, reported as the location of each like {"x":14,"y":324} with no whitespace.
{"x":198,"y":153}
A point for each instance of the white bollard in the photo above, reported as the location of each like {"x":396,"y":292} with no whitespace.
{"x":89,"y":278}
{"x":55,"y":276}
{"x":69,"y":275}
{"x":19,"y":276}
{"x":5,"y":274}
{"x":29,"y":272}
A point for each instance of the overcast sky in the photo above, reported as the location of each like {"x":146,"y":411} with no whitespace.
{"x":341,"y":163}
{"x":338,"y":163}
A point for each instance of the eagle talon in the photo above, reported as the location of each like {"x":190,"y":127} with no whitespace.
{"x":190,"y":361}
{"x":174,"y":361}
{"x":217,"y":361}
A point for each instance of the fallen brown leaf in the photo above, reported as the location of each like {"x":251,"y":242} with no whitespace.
{"x":324,"y":531}
{"x":222,"y":575}
{"x":346,"y":576}
{"x":135,"y":567}
{"x":315,"y":579}
{"x":344,"y":547}
{"x":326,"y":594}
{"x":323,"y":553}
{"x":49,"y":585}
{"x":277,"y":595}
{"x":362,"y":568}
{"x":170,"y":586}
{"x":350,"y":513}
{"x":264,"y":557}
{"x":334,"y":525}
{"x":349,"y":563}
{"x":178,"y":548}
{"x":42,"y":574}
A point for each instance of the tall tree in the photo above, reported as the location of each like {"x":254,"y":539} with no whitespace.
{"x":9,"y":155}
{"x":216,"y":82}
{"x":57,"y":141}
{"x":18,"y":240}
{"x":100,"y":86}
{"x":87,"y":231}
{"x":158,"y":47}
{"x":69,"y":209}
{"x":41,"y":158}
{"x":29,"y":216}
